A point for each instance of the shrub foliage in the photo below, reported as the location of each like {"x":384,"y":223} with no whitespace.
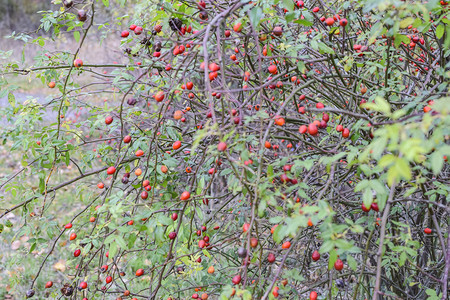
{"x":231,"y":149}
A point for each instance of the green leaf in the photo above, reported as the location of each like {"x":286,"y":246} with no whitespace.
{"x":383,"y":105}
{"x":262,"y":207}
{"x":67,"y":158}
{"x":367,"y":198}
{"x":289,"y":17}
{"x":275,"y":220}
{"x":437,"y":162}
{"x":76,"y":35}
{"x":288,"y":4}
{"x":112,"y":250}
{"x":403,"y":168}
{"x":206,"y":253}
{"x":406,"y":22}
{"x":170,"y":162}
{"x":402,"y":259}
{"x":332,"y":259}
{"x":327,"y":246}
{"x":399,"y":38}
{"x":386,"y":160}
{"x":325,"y":49}
{"x":12,"y":100}
{"x":270,"y":171}
{"x":106,"y":3}
{"x":352,"y":262}
{"x":32,"y":247}
{"x":256,"y":15}
{"x":303,"y":22}
{"x":278,"y":234}
{"x":440,"y":31}
{"x":131,"y":239}
{"x":301,"y":66}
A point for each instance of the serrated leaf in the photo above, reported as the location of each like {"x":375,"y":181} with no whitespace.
{"x":352,"y":262}
{"x":386,"y":160}
{"x":437,"y":162}
{"x":256,"y":15}
{"x":288,"y":4}
{"x":440,"y":31}
{"x":11,"y":100}
{"x":76,"y":36}
{"x":383,"y":105}
{"x":325,"y":49}
{"x":303,"y":22}
{"x":367,"y":198}
{"x":327,"y":246}
{"x":403,"y":168}
{"x":406,"y":22}
{"x":112,"y":250}
{"x":206,"y":253}
{"x":399,"y":38}
{"x":332,"y":259}
{"x":278,"y":234}
{"x":301,"y":67}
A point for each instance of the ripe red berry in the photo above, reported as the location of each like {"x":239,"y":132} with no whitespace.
{"x":111,"y":170}
{"x":222,"y":146}
{"x":345,"y":133}
{"x":271,"y":258}
{"x":139,"y":272}
{"x":127,"y":139}
{"x":138,"y":30}
{"x":315,"y":255}
{"x":329,"y":21}
{"x":374,"y":206}
{"x":236,"y":279}
{"x":273,"y":69}
{"x":172,"y":235}
{"x":108,"y":120}
{"x":286,"y":245}
{"x":303,"y":129}
{"x":343,"y":22}
{"x":77,"y":253}
{"x":83,"y":285}
{"x":427,"y":230}
{"x":77,"y":63}
{"x":108,"y":279}
{"x":185,"y":195}
{"x":68,"y":226}
{"x":339,"y":265}
{"x":176,"y":145}
{"x":73,"y":236}
{"x":312,"y":129}
{"x":364,"y":208}
{"x":49,"y":284}
{"x":124,"y":33}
